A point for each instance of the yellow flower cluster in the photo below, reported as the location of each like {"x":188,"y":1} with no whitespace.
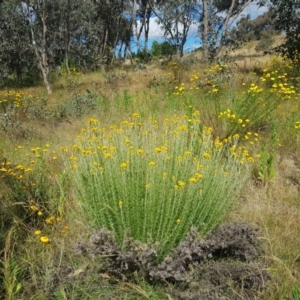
{"x":73,"y":71}
{"x":179,"y":90}
{"x":297,"y":125}
{"x":254,"y":89}
{"x":18,"y":171}
{"x":56,"y":222}
{"x":194,"y":77}
{"x":279,"y":83}
{"x":218,"y":68}
{"x":12,"y":98}
{"x":251,"y":137}
{"x":233,"y":118}
{"x":121,"y":147}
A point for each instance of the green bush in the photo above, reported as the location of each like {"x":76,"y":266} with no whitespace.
{"x":153,"y":181}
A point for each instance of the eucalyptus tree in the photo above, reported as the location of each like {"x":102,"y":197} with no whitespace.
{"x":143,"y":14}
{"x":49,"y":33}
{"x":287,"y":20}
{"x":70,"y":21}
{"x":247,"y":29}
{"x":109,"y":18}
{"x":215,"y":22}
{"x":42,"y":19}
{"x":214,"y":19}
{"x":176,"y":18}
{"x":16,"y":55}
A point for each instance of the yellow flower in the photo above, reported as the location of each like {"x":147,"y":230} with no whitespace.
{"x":182,"y":128}
{"x":192,"y":180}
{"x":178,"y":221}
{"x":44,"y":239}
{"x":152,"y":164}
{"x":34,"y":208}
{"x":107,"y":155}
{"x":206,"y":155}
{"x":157,"y":149}
{"x":120,"y":203}
{"x":40,"y":213}
{"x":124,"y":165}
{"x":37,"y":232}
{"x":181,"y":183}
{"x":250,"y":159}
{"x":198,"y":176}
{"x":187,"y":153}
{"x":139,"y":151}
{"x":165,"y":174}
{"x":49,"y":220}
{"x":136,"y":115}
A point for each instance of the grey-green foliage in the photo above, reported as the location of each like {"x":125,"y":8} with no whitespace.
{"x":16,"y":55}
{"x":162,"y":49}
{"x":287,"y":20}
{"x":265,"y":43}
{"x":157,"y":186}
{"x":216,"y":20}
{"x":176,"y":19}
{"x":76,"y":106}
{"x":43,"y":34}
{"x":261,"y":28}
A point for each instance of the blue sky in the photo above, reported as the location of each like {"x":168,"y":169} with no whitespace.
{"x":156,"y":34}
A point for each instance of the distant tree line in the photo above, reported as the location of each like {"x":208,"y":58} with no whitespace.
{"x":37,"y":36}
{"x":261,"y":29}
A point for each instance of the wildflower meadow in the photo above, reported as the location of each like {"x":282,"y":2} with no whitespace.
{"x":148,"y":162}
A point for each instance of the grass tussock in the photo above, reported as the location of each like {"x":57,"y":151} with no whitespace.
{"x":156,"y":179}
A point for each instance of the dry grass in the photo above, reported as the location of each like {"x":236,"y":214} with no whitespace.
{"x":275,"y":209}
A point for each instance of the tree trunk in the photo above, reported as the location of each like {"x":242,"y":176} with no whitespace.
{"x":45,"y":78}
{"x":147,"y":27}
{"x":67,"y":61}
{"x":41,"y":54}
{"x":204,"y":30}
{"x":67,"y":41}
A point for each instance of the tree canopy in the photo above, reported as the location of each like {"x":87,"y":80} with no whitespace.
{"x":287,"y":20}
{"x":37,"y":36}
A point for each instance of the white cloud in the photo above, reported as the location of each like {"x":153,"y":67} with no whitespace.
{"x":254,"y":11}
{"x":156,"y":32}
